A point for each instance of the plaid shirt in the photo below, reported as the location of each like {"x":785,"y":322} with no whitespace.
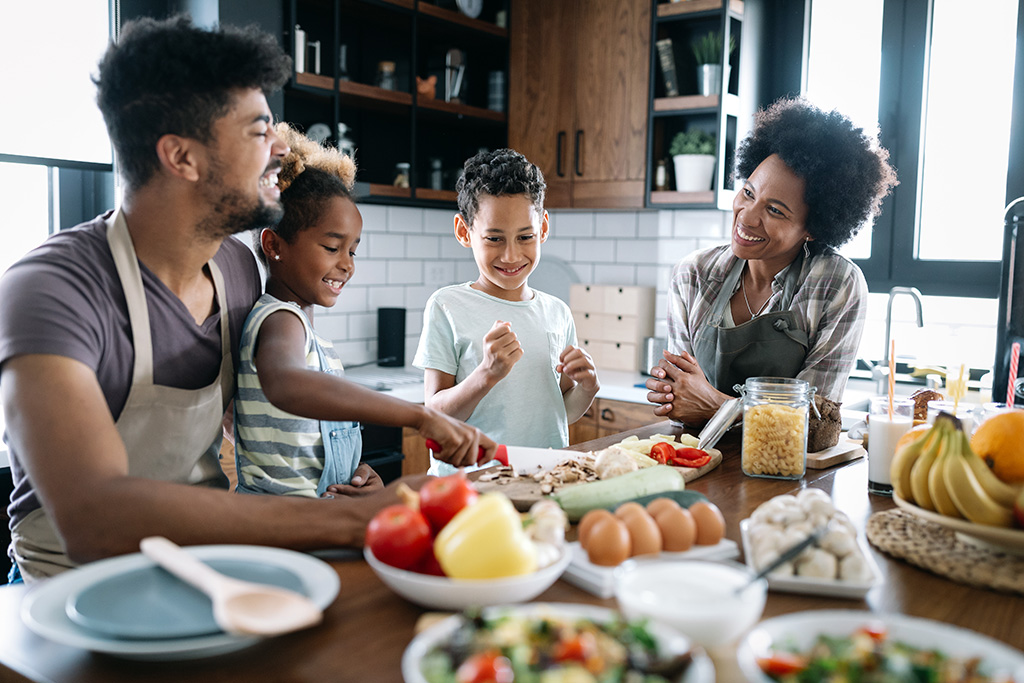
{"x":831,"y":305}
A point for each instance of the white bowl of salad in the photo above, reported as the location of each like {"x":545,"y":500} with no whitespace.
{"x":551,"y":642}
{"x":814,"y":645}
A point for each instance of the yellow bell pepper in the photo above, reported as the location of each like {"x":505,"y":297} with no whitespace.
{"x":485,"y":540}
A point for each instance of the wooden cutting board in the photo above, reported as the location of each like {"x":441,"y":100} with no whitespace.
{"x":843,"y":451}
{"x":523,"y":491}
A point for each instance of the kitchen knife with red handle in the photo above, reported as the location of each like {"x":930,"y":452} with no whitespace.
{"x":501,"y":454}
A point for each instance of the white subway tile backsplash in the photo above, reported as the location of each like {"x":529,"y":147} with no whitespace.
{"x":375,"y":218}
{"x":562,"y":248}
{"x":648,"y":224}
{"x":636,"y":251}
{"x":385,"y":245}
{"x":466,"y":271}
{"x":671,"y":252}
{"x":353,"y":299}
{"x":595,"y":251}
{"x":405,"y":219}
{"x":709,"y":223}
{"x":647,"y":277}
{"x":451,"y":248}
{"x":352,"y":352}
{"x":666,"y":223}
{"x":585,"y":271}
{"x":369,"y":272}
{"x":615,"y":224}
{"x":331,"y":326}
{"x":406,"y":272}
{"x":423,"y":246}
{"x":362,"y":326}
{"x":385,"y":297}
{"x":416,"y":297}
{"x":572,"y":224}
{"x":439,"y":222}
{"x":615,"y":275}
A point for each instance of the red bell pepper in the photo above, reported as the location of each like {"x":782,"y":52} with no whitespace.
{"x":690,"y":457}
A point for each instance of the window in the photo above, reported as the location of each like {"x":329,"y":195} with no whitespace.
{"x":937,"y":77}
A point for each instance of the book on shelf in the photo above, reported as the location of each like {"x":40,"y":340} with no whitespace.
{"x":667,"y":60}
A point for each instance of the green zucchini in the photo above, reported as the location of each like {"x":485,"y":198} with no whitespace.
{"x":577,"y":500}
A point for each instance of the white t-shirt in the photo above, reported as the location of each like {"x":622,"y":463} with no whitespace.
{"x":526,"y":407}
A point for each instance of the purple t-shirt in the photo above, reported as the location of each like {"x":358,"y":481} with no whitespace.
{"x":65,"y":298}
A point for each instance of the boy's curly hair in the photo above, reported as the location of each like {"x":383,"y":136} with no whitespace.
{"x":309,"y":175}
{"x":846,"y":174}
{"x":497,"y":173}
{"x":171,"y":77}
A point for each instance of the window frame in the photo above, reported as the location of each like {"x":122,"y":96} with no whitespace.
{"x":906,"y":38}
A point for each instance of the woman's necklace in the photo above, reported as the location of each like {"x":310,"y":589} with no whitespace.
{"x":747,"y":301}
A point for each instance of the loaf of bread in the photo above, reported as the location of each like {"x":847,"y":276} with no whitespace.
{"x":921,"y":398}
{"x":824,"y":432}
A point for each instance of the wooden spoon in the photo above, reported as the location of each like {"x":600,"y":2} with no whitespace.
{"x":239,"y":607}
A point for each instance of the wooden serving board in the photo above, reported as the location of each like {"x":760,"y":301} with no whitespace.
{"x":523,"y":491}
{"x":843,"y":451}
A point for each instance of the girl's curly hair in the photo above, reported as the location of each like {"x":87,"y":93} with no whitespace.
{"x":846,"y":174}
{"x":310,"y":174}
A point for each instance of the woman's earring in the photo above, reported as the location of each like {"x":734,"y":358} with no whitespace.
{"x":277,"y":257}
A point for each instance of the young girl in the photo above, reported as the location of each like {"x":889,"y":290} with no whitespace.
{"x":296,"y":417}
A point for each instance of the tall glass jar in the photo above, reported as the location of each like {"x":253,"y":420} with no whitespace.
{"x":775,"y":422}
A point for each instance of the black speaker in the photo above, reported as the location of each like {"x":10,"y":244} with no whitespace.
{"x":391,"y":337}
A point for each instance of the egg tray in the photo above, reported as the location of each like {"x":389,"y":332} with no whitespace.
{"x":600,"y":581}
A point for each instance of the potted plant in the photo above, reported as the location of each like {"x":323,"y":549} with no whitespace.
{"x":693,"y":154}
{"x":707,"y":50}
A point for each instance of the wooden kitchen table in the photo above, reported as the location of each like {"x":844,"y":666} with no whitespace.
{"x":368,"y":627}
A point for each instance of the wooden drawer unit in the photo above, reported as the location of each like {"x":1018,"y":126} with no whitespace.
{"x":611,"y":322}
{"x":620,"y":416}
{"x":585,"y":428}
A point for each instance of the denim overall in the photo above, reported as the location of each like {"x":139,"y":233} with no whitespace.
{"x":343,"y":443}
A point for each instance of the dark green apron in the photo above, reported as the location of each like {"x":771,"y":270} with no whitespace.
{"x":769,"y":345}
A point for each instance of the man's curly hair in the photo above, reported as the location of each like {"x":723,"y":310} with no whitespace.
{"x":171,"y":77}
{"x":846,"y":174}
{"x":497,"y":173}
{"x":310,"y":174}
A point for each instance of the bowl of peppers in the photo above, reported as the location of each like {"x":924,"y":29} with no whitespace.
{"x":448,"y":547}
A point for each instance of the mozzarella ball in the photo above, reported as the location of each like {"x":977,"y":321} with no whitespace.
{"x":854,"y":567}
{"x":838,"y":541}
{"x":817,"y":563}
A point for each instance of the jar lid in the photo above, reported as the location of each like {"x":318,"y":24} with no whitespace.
{"x":386,"y":66}
{"x":720,"y":423}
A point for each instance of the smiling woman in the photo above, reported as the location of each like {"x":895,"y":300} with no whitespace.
{"x":778,"y":301}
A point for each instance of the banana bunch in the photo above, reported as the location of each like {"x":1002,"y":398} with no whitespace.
{"x":940,"y":472}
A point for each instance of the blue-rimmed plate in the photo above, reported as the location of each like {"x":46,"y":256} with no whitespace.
{"x":149,"y":602}
{"x":44,"y":610}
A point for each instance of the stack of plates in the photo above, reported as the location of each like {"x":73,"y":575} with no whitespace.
{"x":128,"y":607}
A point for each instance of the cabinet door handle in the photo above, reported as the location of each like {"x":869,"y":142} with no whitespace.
{"x":579,"y":139}
{"x":607,"y":414}
{"x":558,"y":154}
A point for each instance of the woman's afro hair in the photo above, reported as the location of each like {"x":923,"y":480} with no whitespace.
{"x":846,"y":173}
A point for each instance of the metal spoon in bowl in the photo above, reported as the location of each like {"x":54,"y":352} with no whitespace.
{"x":239,"y":607}
{"x":789,"y":554}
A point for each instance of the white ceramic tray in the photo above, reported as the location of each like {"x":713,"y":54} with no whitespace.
{"x":600,"y":581}
{"x":810,"y":586}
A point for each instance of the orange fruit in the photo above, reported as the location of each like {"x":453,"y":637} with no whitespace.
{"x":913,"y":435}
{"x":1000,"y":442}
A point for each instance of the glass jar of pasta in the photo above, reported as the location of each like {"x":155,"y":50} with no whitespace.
{"x":775,"y":426}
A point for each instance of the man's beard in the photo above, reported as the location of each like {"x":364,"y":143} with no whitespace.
{"x":232,"y":212}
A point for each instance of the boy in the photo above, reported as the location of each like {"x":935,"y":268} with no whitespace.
{"x":497,"y":353}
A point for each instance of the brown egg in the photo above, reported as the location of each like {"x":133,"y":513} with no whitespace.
{"x":608,"y":542}
{"x":643,"y":532}
{"x":627,"y":509}
{"x":587,"y":523}
{"x":678,"y":528}
{"x":659,"y":504}
{"x":710,"y":523}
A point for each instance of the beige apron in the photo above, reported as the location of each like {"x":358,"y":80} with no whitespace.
{"x":169,"y":434}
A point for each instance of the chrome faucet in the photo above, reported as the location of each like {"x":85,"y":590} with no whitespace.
{"x":916,"y":294}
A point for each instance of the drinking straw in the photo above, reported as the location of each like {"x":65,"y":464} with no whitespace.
{"x":892,"y":374}
{"x":958,"y":390}
{"x":1014,"y":356}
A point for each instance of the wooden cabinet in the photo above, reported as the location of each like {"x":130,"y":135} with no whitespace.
{"x":578,"y":93}
{"x":398,"y":124}
{"x":607,"y":417}
{"x":417,"y":457}
{"x":726,"y":115}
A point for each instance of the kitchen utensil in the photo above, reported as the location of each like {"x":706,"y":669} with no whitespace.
{"x":719,"y":423}
{"x":787,"y":555}
{"x":300,"y":49}
{"x":455,"y":68}
{"x":239,"y":607}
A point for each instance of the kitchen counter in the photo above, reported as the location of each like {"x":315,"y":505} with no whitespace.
{"x":367,"y":628}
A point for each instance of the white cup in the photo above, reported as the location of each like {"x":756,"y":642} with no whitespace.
{"x":963,"y":411}
{"x":883,"y":433}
